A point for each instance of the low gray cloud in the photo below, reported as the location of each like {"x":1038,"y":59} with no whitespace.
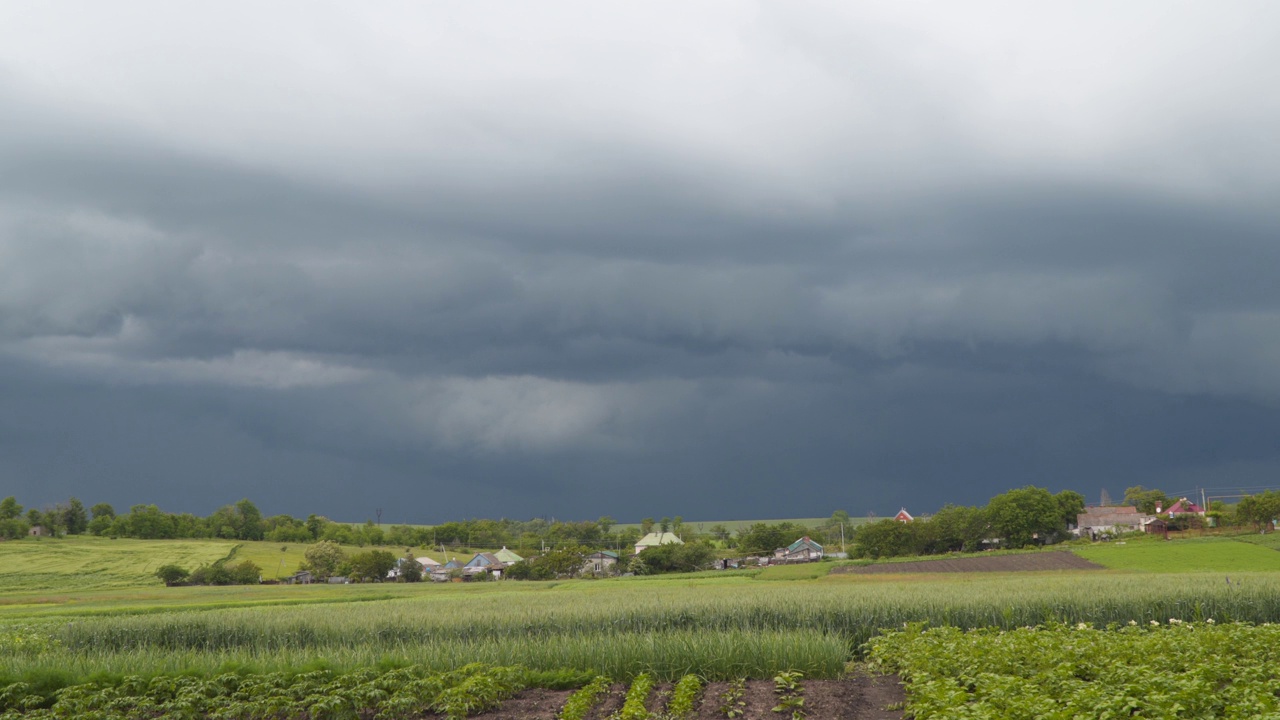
{"x":731,"y":261}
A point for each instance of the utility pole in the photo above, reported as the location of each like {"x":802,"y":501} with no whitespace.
{"x":842,"y":537}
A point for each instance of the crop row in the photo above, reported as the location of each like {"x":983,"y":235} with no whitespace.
{"x":1173,"y":669}
{"x":385,"y":695}
{"x":403,"y":693}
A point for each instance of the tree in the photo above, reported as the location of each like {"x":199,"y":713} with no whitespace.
{"x":606,"y":524}
{"x":720,"y":532}
{"x":9,"y":508}
{"x":1021,"y":516}
{"x":646,"y":526}
{"x":245,"y":572}
{"x":72,"y":517}
{"x":886,"y":538}
{"x":677,"y":525}
{"x":674,"y":557}
{"x":14,"y":528}
{"x":956,"y":528}
{"x":172,"y":574}
{"x":1070,"y":505}
{"x":103,"y":516}
{"x":410,"y":569}
{"x":1146,"y":500}
{"x":323,"y":559}
{"x":763,"y":538}
{"x":665,"y":524}
{"x":1259,"y":510}
{"x":371,"y":565}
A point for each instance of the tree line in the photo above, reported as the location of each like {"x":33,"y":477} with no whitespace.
{"x":1015,"y":519}
{"x":244,"y":521}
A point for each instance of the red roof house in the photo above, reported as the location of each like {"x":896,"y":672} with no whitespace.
{"x":1184,"y":507}
{"x":903,"y":516}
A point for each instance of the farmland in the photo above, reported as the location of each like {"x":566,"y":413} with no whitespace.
{"x":721,"y":626}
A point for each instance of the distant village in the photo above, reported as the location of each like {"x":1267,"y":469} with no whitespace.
{"x":598,"y":563}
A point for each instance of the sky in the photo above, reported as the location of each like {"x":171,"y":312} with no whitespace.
{"x":724,"y":260}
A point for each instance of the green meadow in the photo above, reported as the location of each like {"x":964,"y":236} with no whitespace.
{"x":87,"y":562}
{"x":1192,"y":555}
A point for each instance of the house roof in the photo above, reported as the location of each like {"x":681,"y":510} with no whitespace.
{"x":452,"y":564}
{"x":604,"y":554}
{"x":804,"y":542}
{"x":485,"y":559}
{"x":658,"y":538}
{"x":425,"y":562}
{"x":903,"y":515}
{"x":506,"y":556}
{"x":1184,"y":506}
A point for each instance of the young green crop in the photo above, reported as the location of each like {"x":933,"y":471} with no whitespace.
{"x":581,"y":702}
{"x":684,"y":697}
{"x":786,"y":685}
{"x":634,"y":707}
{"x":731,"y":703}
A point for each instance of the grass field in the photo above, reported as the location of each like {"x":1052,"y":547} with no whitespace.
{"x":92,"y":562}
{"x":1194,"y":555}
{"x":1268,"y":540}
{"x":87,"y":562}
{"x":279,"y":560}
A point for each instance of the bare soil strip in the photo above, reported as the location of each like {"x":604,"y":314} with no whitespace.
{"x":853,"y":698}
{"x":1029,"y":562}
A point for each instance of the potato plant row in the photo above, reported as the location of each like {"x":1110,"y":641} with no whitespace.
{"x":1153,"y":669}
{"x":389,"y":695}
{"x":385,"y":695}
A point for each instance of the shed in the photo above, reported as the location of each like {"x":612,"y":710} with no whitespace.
{"x":904,"y":516}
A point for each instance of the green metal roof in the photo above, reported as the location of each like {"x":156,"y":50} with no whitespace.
{"x":507,"y":556}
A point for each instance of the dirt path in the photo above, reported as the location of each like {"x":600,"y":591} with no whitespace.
{"x":1028,"y":562}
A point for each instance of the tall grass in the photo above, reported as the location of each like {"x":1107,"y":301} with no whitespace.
{"x":716,"y":629}
{"x":666,"y":656}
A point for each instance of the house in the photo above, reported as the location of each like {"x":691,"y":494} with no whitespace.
{"x":1182,"y":507}
{"x":484,"y":562}
{"x":903,"y":516}
{"x":1110,"y":519}
{"x":601,"y":562}
{"x":302,"y":577}
{"x":802,"y":550}
{"x":38,"y":531}
{"x":507,"y":557}
{"x":428,"y":565}
{"x":654,"y":539}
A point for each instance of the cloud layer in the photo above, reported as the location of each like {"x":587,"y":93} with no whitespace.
{"x":734,"y":260}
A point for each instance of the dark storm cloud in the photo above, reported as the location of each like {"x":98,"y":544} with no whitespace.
{"x":633,"y":267}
